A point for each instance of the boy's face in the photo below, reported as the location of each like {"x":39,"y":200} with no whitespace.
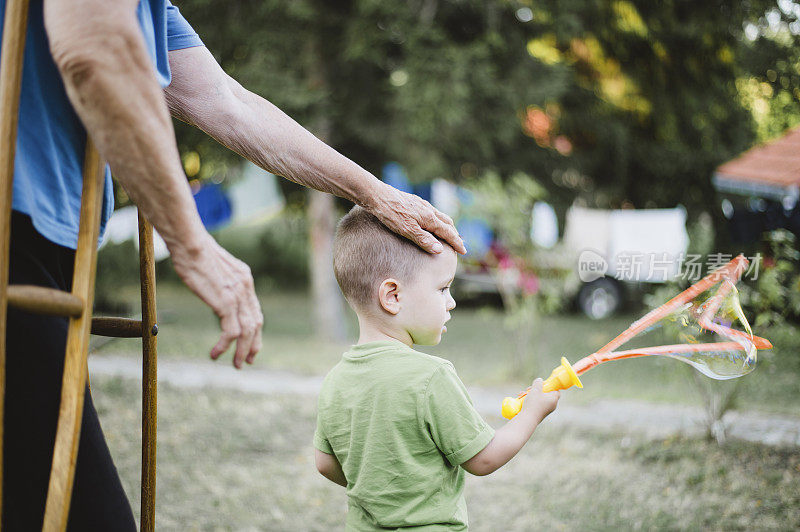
{"x":425,"y":300}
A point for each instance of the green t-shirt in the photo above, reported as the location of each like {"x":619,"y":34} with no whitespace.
{"x":400,"y":422}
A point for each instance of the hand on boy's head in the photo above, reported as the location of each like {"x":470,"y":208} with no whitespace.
{"x":416,"y":219}
{"x":537,"y":399}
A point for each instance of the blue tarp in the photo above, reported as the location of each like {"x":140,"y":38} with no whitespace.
{"x":394,"y":174}
{"x":213,"y":206}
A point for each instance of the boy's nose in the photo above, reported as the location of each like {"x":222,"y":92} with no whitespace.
{"x":451,"y":303}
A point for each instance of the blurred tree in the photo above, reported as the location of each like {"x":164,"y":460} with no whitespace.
{"x":769,"y":84}
{"x":525,"y":292}
{"x":652,"y":104}
{"x":615,"y":102}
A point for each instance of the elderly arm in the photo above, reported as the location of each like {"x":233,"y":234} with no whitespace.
{"x":100,"y":52}
{"x":202,"y":94}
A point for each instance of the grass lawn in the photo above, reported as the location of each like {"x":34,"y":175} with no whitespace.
{"x":233,"y":461}
{"x":481,"y":349}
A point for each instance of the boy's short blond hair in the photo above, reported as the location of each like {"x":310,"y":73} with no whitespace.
{"x":366,"y":252}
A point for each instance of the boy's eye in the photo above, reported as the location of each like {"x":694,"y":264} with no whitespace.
{"x":445,"y":288}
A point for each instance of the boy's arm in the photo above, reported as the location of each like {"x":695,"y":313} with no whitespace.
{"x":329,"y":467}
{"x":510,"y":438}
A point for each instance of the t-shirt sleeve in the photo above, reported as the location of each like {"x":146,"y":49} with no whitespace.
{"x":455,"y":426}
{"x":320,"y":441}
{"x":180,"y":33}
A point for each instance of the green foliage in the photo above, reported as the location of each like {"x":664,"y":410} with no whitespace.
{"x":117,"y":266}
{"x":610,"y":101}
{"x":769,"y":292}
{"x":769,"y":88}
{"x":277,"y":251}
{"x":506,"y":207}
{"x":774,"y":300}
{"x":701,"y":235}
{"x":283,"y":248}
{"x":771,"y":302}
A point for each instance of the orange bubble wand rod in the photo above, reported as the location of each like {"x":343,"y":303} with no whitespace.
{"x":566,"y":375}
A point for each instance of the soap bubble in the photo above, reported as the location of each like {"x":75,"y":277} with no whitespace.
{"x":711,"y":333}
{"x":707,"y":322}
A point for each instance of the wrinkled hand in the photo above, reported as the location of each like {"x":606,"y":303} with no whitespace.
{"x":416,"y":219}
{"x":545,"y":403}
{"x":225,"y":284}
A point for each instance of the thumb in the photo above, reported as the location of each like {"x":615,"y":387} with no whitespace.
{"x":537,"y":385}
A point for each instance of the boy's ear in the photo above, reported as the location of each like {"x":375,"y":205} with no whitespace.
{"x":389,"y":296}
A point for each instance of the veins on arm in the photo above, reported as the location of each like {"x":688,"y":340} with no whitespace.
{"x":203,"y":95}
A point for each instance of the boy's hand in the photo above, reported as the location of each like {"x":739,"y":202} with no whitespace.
{"x":543,"y":403}
{"x":510,"y":438}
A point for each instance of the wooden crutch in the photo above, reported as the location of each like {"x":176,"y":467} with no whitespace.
{"x":77,"y":305}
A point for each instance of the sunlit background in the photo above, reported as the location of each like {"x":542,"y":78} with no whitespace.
{"x":648,"y":133}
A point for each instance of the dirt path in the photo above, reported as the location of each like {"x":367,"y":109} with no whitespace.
{"x":624,"y":417}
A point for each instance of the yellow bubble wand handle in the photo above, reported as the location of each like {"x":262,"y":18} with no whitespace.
{"x":561,"y":378}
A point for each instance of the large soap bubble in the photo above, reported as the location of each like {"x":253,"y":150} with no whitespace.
{"x":720,"y":346}
{"x":706,"y":322}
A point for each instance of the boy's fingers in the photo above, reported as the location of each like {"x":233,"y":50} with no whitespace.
{"x":537,"y":385}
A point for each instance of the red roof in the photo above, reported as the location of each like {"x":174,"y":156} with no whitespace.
{"x":775,"y":163}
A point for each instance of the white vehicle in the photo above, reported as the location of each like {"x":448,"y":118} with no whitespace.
{"x":601,"y":252}
{"x":610,"y":247}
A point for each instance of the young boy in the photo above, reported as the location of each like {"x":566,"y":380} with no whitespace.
{"x":396,"y":427}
